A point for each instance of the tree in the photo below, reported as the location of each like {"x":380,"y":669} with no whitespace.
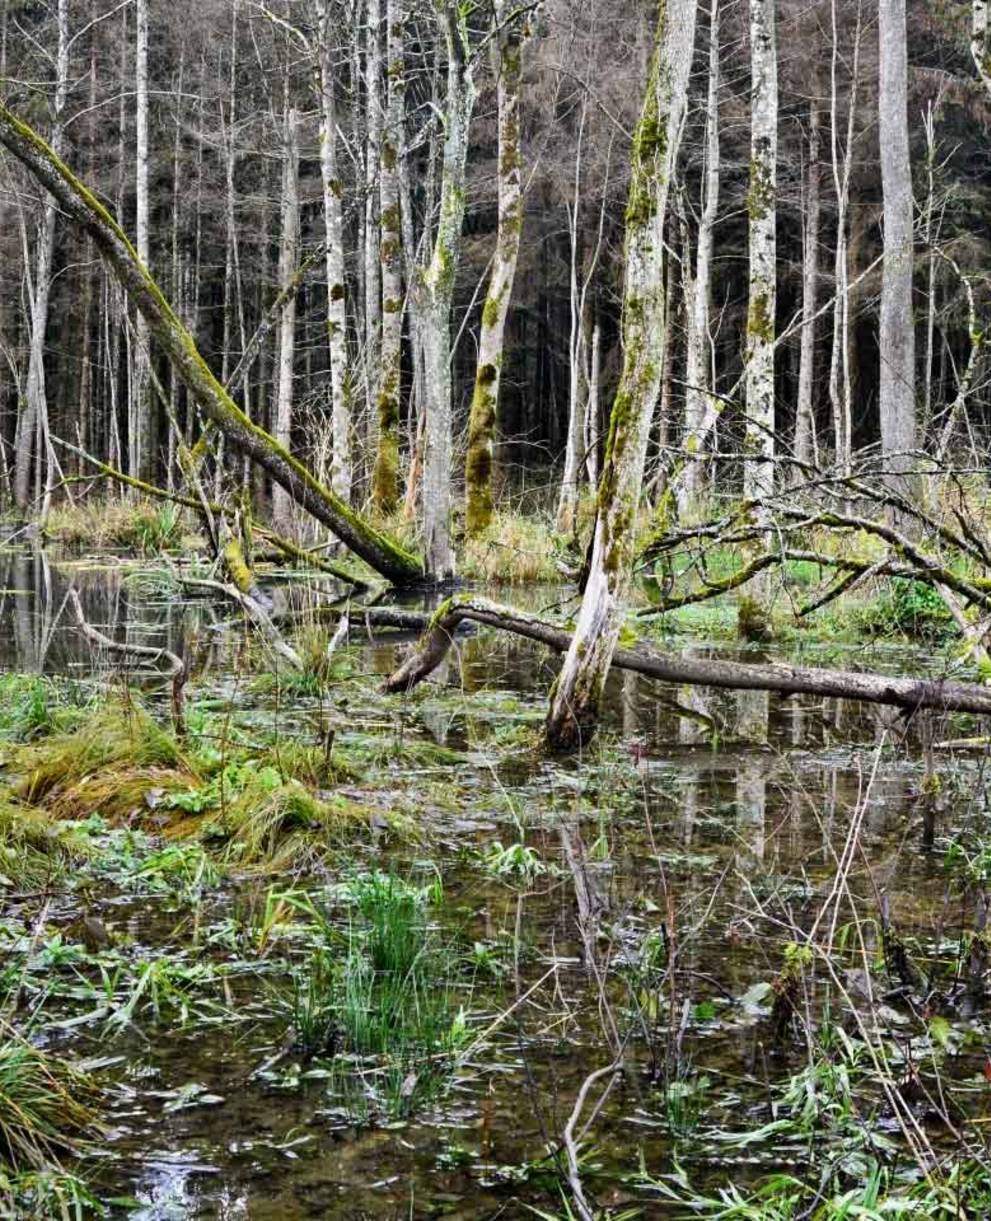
{"x":288,"y":259}
{"x":379,"y":551}
{"x":435,"y":292}
{"x":509,"y":37}
{"x":578,"y":691}
{"x":340,"y":470}
{"x":896,"y":334}
{"x":385,"y":481}
{"x":758,"y":467}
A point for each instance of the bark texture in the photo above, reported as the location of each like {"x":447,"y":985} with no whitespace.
{"x":758,"y":467}
{"x":577,"y":694}
{"x":896,"y":337}
{"x":436,"y":292}
{"x":510,"y":34}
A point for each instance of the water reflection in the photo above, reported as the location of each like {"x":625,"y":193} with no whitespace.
{"x":710,"y":797}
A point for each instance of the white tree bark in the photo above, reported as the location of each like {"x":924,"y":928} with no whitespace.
{"x":577,"y":693}
{"x":701,"y":408}
{"x":896,"y":338}
{"x":436,"y":292}
{"x":340,"y":467}
{"x":32,"y":425}
{"x":592,"y":407}
{"x":385,"y":480}
{"x":806,"y":448}
{"x":840,"y":386}
{"x":758,"y":467}
{"x":288,"y":259}
{"x":140,"y":431}
{"x":511,"y":32}
{"x":980,"y":42}
{"x":372,"y":270}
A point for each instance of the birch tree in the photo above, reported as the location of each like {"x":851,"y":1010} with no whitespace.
{"x":805,"y":438}
{"x":288,"y":259}
{"x":758,"y":468}
{"x":139,"y":422}
{"x":372,"y":277}
{"x":701,"y":407}
{"x":340,"y":468}
{"x":510,"y":34}
{"x":577,"y":694}
{"x":32,"y":425}
{"x":896,"y":338}
{"x":840,"y":385}
{"x":385,"y":481}
{"x":436,"y":292}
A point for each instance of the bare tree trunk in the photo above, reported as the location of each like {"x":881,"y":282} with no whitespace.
{"x":436,"y":292}
{"x":511,"y":33}
{"x":896,"y":338}
{"x":340,"y":426}
{"x":577,"y":694}
{"x":806,"y":448}
{"x":574,"y":443}
{"x":701,"y":409}
{"x":592,"y":408}
{"x":32,"y":429}
{"x":372,"y":253}
{"x":140,"y":438}
{"x":385,"y":480}
{"x":758,"y":467}
{"x":980,"y":42}
{"x":288,"y":258}
{"x":841,"y":396}
{"x":910,"y":694}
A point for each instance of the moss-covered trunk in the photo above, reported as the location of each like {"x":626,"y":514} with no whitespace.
{"x":435,"y":292}
{"x":375,"y":548}
{"x":510,"y":32}
{"x":385,"y":478}
{"x":577,"y":694}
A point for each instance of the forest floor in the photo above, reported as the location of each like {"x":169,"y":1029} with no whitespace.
{"x":333,"y":953}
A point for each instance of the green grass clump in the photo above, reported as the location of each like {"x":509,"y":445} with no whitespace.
{"x":46,"y":1106}
{"x":115,"y":737}
{"x":142,"y":527}
{"x":378,"y":995}
{"x":33,"y":850}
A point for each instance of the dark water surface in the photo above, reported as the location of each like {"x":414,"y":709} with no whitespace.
{"x":716,"y":832}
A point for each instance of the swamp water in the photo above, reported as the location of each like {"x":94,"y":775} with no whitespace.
{"x":644,"y":905}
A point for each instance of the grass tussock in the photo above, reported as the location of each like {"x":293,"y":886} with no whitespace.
{"x":46,"y":1105}
{"x":513,"y":550}
{"x":141,"y":527}
{"x":119,"y":754}
{"x":33,"y":849}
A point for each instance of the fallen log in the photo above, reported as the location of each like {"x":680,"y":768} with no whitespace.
{"x":379,"y":551}
{"x":909,"y":694}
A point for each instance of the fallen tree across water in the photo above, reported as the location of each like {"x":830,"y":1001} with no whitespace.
{"x":909,"y":694}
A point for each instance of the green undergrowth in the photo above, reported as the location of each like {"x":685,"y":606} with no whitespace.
{"x":374,"y":1000}
{"x":250,"y":802}
{"x":48,"y":1110}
